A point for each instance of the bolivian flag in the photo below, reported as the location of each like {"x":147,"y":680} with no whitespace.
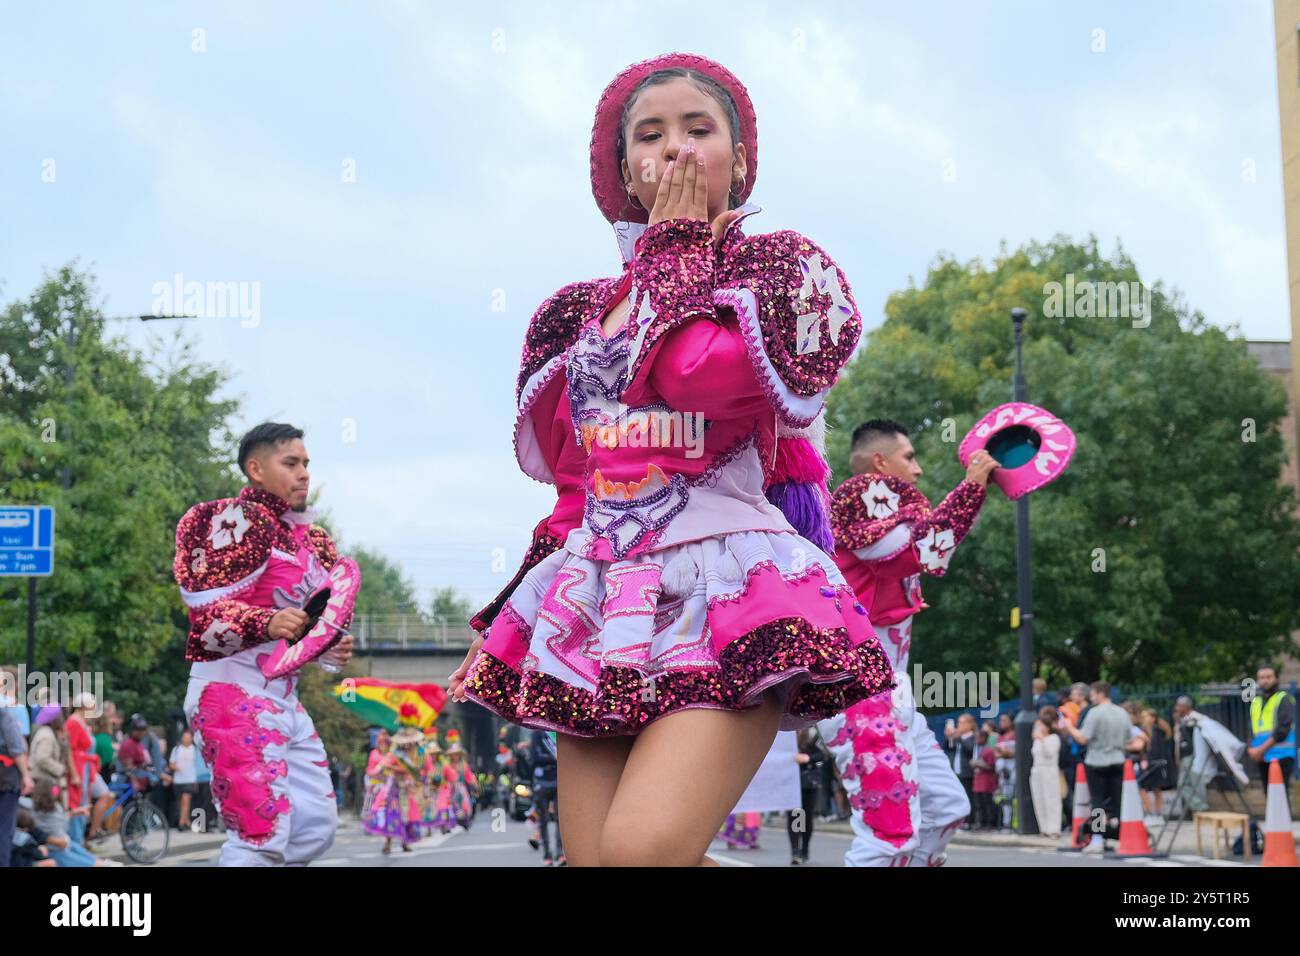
{"x":389,"y":704}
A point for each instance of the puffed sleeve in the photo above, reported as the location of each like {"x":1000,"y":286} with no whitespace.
{"x":323,"y":545}
{"x":937,"y":534}
{"x":883,"y":518}
{"x":795,"y":312}
{"x":565,"y":459}
{"x":552,"y":328}
{"x":546,"y":447}
{"x":222,"y":549}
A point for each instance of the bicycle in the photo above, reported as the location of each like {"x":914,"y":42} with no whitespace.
{"x":143,"y":829}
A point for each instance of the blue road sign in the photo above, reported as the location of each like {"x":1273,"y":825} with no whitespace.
{"x":26,"y":541}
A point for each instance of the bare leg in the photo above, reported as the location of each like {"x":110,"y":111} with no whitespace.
{"x":588,"y":773}
{"x":97,"y":814}
{"x":684,"y":775}
{"x":183,"y":818}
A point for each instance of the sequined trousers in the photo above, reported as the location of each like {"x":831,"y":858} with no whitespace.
{"x":270,"y":775}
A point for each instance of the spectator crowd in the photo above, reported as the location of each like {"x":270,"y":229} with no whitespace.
{"x":67,"y":768}
{"x":1084,"y":726}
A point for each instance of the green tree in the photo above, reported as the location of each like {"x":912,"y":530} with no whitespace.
{"x":143,"y":436}
{"x":136,"y":433}
{"x":1174,"y":488}
{"x":451,"y":605}
{"x":385,"y":588}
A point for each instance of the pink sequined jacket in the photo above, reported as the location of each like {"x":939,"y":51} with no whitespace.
{"x":238,"y":561}
{"x":887,"y":535}
{"x":669,"y":430}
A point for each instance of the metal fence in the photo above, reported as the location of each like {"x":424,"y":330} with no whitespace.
{"x":409,"y":633}
{"x":1225,"y":703}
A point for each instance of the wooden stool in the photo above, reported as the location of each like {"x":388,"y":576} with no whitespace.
{"x":1223,"y":822}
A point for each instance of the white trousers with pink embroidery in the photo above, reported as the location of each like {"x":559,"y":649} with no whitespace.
{"x":270,"y":775}
{"x":936,"y":809}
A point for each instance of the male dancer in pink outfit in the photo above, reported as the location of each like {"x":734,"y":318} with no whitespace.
{"x":906,"y":800}
{"x":245,"y":566}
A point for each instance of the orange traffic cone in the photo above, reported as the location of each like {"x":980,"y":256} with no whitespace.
{"x":1133,"y":839}
{"x":1279,"y":844}
{"x":1082,"y":806}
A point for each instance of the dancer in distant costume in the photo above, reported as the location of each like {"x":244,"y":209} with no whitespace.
{"x":397,"y":810}
{"x":453,"y":807}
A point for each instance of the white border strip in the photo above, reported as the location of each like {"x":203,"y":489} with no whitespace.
{"x":212,"y":595}
{"x":894,"y":543}
{"x":527,"y":452}
{"x":797,"y":410}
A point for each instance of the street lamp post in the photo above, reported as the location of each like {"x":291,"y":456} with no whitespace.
{"x":1026,"y":822}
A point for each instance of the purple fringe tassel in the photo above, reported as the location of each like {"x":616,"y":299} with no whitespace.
{"x":804,"y":507}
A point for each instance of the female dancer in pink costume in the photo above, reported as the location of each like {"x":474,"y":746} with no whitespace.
{"x":385,"y":813}
{"x":742,"y":829}
{"x":374,"y":775}
{"x":679,"y":606}
{"x":453,"y":794}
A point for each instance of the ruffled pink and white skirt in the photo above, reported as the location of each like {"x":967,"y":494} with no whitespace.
{"x":597,"y":648}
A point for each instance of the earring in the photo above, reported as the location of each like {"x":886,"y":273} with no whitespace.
{"x":632,"y":197}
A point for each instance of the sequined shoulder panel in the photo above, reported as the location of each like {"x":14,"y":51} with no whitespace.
{"x":555,"y":324}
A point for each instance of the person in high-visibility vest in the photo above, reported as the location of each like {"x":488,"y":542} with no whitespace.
{"x":1272,"y":726}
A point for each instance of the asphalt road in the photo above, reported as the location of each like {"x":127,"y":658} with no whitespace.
{"x":507,"y":845}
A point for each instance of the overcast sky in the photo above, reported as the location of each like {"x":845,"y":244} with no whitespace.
{"x":403,"y":183}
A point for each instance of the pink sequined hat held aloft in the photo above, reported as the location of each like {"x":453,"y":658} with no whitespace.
{"x":607,"y":183}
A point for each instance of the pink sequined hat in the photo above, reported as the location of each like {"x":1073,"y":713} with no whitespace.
{"x":606,"y":176}
{"x":1032,"y":446}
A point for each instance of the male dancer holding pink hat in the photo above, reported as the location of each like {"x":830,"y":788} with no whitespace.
{"x":245,"y":567}
{"x":906,"y":800}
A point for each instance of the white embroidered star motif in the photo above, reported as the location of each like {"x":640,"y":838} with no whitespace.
{"x":215,"y":637}
{"x":818,"y":279}
{"x":228,"y":527}
{"x":881,"y":502}
{"x":935,"y":550}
